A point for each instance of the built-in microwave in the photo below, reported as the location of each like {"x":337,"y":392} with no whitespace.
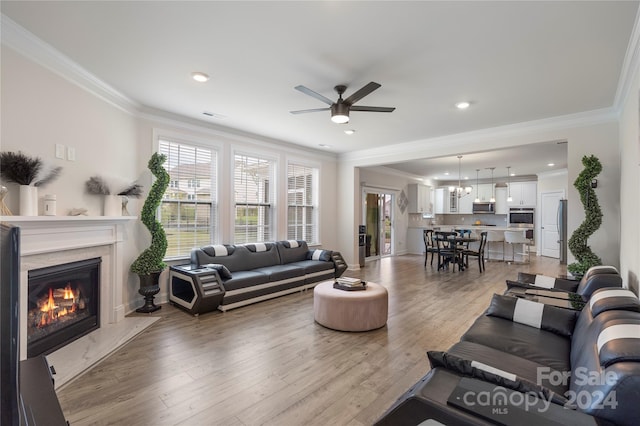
{"x":484,"y":207}
{"x":521,"y":217}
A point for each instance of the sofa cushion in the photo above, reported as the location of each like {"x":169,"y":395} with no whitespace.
{"x":311,"y":266}
{"x":223,"y":271}
{"x":488,"y":373}
{"x":323,"y":255}
{"x":292,"y":251}
{"x":242,"y":279}
{"x":528,"y":370}
{"x":282,"y":272}
{"x":541,"y":346}
{"x":534,"y":314}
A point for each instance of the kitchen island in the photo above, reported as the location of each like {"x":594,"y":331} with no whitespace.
{"x":493,"y":251}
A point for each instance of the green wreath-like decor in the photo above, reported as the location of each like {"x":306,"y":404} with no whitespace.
{"x":150,"y":260}
{"x":585,"y":257}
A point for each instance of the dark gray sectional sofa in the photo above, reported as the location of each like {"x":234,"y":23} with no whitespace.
{"x":250,"y":273}
{"x":579,"y":367}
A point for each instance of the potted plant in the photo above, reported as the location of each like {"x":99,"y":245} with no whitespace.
{"x":149,"y":263}
{"x":585,"y":257}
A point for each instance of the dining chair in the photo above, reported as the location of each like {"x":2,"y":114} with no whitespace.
{"x":477,"y":253}
{"x":429,"y":245}
{"x":446,"y":248}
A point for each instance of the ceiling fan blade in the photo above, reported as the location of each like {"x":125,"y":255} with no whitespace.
{"x":371,"y":109}
{"x":304,"y":111}
{"x":362,"y":93}
{"x":313,"y":94}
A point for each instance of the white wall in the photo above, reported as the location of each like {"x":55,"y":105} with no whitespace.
{"x":585,"y":136}
{"x":41,"y":108}
{"x":630,"y":187}
{"x":391,"y":184}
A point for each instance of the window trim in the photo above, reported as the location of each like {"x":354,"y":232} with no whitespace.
{"x":315,"y":168}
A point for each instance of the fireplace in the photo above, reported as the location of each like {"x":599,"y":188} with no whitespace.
{"x":63,"y":304}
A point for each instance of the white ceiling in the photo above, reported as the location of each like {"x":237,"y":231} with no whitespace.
{"x":514,"y":61}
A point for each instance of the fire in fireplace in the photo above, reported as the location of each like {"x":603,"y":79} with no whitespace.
{"x":63,"y":304}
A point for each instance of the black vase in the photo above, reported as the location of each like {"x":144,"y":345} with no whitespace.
{"x":149,"y":287}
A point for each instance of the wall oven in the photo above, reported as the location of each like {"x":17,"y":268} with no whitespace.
{"x":521,"y":217}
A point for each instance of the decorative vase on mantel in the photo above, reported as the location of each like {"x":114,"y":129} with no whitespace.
{"x":28,"y":200}
{"x":149,"y":287}
{"x":112,"y":205}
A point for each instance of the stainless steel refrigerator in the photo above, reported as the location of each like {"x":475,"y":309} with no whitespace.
{"x":562,"y":231}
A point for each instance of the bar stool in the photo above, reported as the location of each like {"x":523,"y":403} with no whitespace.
{"x":515,"y":238}
{"x":494,"y":237}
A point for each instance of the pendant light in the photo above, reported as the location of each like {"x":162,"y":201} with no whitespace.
{"x":477,"y":200}
{"x":509,"y":199}
{"x":493,"y":197}
{"x":459,"y":190}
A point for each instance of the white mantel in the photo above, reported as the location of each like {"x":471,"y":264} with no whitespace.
{"x":51,"y":240}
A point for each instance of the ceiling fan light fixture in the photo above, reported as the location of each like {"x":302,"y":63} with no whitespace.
{"x":339,"y":113}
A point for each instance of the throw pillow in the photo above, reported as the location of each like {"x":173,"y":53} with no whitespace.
{"x":557,"y":320}
{"x":494,"y":375}
{"x":223,"y":271}
{"x":324,"y":255}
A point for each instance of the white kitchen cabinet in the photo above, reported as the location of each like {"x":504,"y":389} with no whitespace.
{"x":524,"y":194}
{"x":501,"y":201}
{"x":419,"y":198}
{"x":485,"y":192}
{"x":442,"y":201}
{"x":465,"y":204}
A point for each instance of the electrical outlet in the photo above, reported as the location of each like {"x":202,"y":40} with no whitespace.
{"x":71,"y":154}
{"x":60,"y":151}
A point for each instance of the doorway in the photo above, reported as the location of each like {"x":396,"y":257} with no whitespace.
{"x":549,"y":236}
{"x":378,"y":217}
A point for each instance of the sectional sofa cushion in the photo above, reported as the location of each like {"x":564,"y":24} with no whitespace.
{"x":503,"y":377}
{"x":243,"y":279}
{"x":528,"y":370}
{"x":536,"y":345}
{"x":534,"y":314}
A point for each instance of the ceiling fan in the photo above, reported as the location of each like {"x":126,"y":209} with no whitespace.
{"x":341,"y":108}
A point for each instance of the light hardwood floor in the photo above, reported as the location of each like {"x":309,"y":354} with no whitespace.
{"x":270,"y":363}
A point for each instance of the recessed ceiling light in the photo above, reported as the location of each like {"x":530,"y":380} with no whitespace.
{"x":350,"y":131}
{"x":550,"y":164}
{"x":436,"y":178}
{"x":463,"y":105}
{"x":513,"y":174}
{"x":466,"y":178}
{"x":199,"y":77}
{"x":446,"y":173}
{"x":324,"y":145}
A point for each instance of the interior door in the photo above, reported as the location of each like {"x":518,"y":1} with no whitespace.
{"x":378,"y":216}
{"x":549,"y":237}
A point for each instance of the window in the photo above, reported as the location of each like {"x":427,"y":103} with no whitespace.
{"x":253,"y":186}
{"x":301,"y":204}
{"x":189,"y":208}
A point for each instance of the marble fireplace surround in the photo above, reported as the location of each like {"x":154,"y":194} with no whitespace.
{"x":53,"y":240}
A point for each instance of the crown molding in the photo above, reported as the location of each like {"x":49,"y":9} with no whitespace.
{"x":453,"y":143}
{"x":27,"y":44}
{"x":630,"y":66}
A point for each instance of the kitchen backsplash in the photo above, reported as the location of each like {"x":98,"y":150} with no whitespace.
{"x":416,"y":220}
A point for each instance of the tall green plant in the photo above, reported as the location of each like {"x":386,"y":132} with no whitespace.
{"x":150,"y":260}
{"x":585,"y":257}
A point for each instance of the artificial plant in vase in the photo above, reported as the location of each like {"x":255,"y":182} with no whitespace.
{"x":585,"y":257}
{"x":150,"y":263}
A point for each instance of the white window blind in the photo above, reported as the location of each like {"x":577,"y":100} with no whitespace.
{"x":189,"y":208}
{"x":301,"y":203}
{"x":253,"y":186}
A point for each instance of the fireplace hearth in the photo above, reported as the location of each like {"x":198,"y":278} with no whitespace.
{"x":63,"y":304}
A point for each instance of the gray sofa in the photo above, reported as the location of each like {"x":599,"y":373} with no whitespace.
{"x":251,"y":273}
{"x":570,"y":368}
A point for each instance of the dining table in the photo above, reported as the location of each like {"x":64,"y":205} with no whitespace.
{"x":453,"y":245}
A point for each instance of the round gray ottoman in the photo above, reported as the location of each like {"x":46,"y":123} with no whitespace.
{"x":350,"y":310}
